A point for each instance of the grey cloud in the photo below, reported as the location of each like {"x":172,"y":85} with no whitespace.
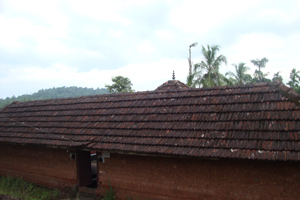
{"x":252,"y":22}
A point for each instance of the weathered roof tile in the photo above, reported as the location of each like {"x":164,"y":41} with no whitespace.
{"x":248,"y":122}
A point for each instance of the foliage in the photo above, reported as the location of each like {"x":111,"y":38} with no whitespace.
{"x":109,"y":194}
{"x":259,"y":76}
{"x":17,"y":187}
{"x":189,"y":80}
{"x":240,"y":77}
{"x":53,"y":93}
{"x":277,"y":77}
{"x":120,"y":84}
{"x":260,"y":63}
{"x":206,"y":73}
{"x":295,"y":80}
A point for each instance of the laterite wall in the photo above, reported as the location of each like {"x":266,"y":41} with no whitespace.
{"x":45,"y":166}
{"x":141,"y":177}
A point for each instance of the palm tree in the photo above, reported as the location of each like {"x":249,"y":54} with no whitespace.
{"x":277,"y":77}
{"x":189,"y":80}
{"x":260,"y":64}
{"x":260,"y":77}
{"x":295,"y":80}
{"x":240,"y":76}
{"x":210,"y":65}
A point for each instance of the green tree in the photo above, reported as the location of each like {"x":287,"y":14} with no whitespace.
{"x":260,"y":63}
{"x":190,"y":80}
{"x":240,"y":77}
{"x":295,"y":80}
{"x":120,"y":84}
{"x":52,"y":93}
{"x":259,"y":76}
{"x":206,"y":73}
{"x":277,"y":77}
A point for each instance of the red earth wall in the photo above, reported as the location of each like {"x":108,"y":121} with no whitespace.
{"x":142,"y":177}
{"x":41,"y":165}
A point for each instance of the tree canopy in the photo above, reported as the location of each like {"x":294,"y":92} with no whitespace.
{"x":260,"y":63}
{"x":53,"y":93}
{"x":240,"y":77}
{"x":277,"y":77}
{"x":206,"y":73}
{"x":120,"y":84}
{"x":295,"y":80}
{"x":259,"y":76}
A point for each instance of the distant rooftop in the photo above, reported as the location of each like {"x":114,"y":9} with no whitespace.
{"x":172,"y":85}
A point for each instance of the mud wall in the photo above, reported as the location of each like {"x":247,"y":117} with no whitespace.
{"x":142,"y":177}
{"x":41,"y":165}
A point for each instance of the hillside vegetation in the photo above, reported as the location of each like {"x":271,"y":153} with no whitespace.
{"x":54,"y":93}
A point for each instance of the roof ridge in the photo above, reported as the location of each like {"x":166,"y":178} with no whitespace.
{"x":172,"y":85}
{"x":287,"y":92}
{"x":188,"y":89}
{"x":166,"y":115}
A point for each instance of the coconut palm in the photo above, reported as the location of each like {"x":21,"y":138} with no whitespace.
{"x":295,"y":80}
{"x":260,"y":77}
{"x":189,"y":80}
{"x":210,"y":65}
{"x":240,"y":77}
{"x":277,"y":77}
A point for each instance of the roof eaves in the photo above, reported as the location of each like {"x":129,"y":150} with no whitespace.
{"x":287,"y":92}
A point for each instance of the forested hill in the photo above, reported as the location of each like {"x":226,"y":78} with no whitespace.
{"x":53,"y":93}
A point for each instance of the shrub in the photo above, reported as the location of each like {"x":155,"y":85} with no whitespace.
{"x":17,"y":187}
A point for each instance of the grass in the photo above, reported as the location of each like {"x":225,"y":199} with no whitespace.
{"x":19,"y":188}
{"x":109,"y":194}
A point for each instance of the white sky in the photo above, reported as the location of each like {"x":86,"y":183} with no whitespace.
{"x":45,"y":44}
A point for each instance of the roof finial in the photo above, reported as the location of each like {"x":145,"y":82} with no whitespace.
{"x":173,"y":77}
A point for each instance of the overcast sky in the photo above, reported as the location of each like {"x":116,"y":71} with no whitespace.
{"x":46,"y":44}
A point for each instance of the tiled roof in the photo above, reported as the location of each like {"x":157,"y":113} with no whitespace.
{"x":172,"y":85}
{"x":248,"y":122}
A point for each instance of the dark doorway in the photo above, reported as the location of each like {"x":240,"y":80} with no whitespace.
{"x":86,"y":169}
{"x":94,"y":169}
